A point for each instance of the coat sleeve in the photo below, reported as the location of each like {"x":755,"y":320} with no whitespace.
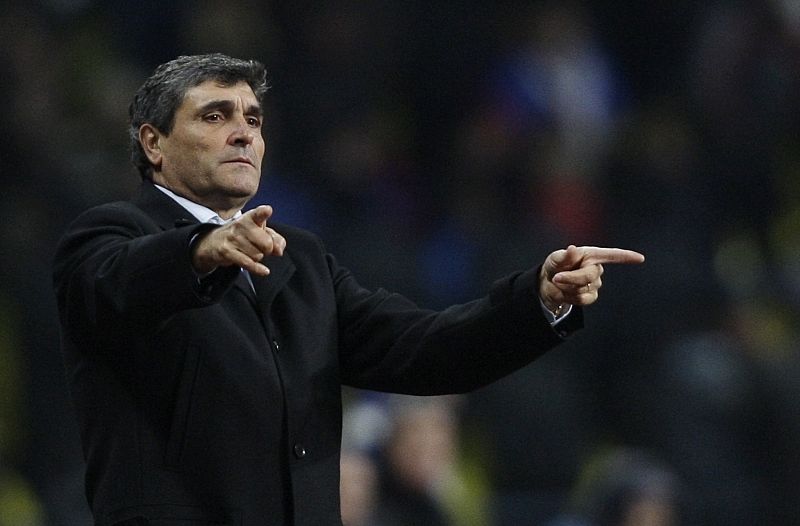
{"x":389,"y":344}
{"x":116,"y":271}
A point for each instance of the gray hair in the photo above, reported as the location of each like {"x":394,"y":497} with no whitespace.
{"x":160,"y":96}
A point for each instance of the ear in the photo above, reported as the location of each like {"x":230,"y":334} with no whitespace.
{"x":150,"y":139}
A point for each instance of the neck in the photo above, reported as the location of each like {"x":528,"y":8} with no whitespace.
{"x":224,"y":206}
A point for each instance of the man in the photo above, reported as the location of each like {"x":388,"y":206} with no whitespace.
{"x":206,"y":348}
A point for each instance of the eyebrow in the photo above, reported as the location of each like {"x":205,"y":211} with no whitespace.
{"x":227,"y":106}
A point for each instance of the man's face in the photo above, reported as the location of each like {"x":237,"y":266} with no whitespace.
{"x":213,"y":154}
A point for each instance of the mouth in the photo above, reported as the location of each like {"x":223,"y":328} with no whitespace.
{"x":240,"y":160}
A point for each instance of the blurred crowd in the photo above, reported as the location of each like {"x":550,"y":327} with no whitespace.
{"x":435,"y":147}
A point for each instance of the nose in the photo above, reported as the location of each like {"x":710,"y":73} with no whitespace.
{"x":242,"y":134}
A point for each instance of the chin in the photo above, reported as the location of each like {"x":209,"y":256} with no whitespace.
{"x":244,"y":184}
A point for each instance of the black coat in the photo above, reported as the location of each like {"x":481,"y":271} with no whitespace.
{"x":201,"y":401}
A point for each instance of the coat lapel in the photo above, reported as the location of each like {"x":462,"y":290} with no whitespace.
{"x":267,"y":287}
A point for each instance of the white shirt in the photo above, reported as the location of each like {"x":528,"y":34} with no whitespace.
{"x":200,"y":212}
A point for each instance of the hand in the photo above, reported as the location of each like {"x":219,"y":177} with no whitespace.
{"x":573,"y":276}
{"x":243,"y":242}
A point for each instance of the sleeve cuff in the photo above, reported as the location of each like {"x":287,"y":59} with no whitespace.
{"x":551,"y":317}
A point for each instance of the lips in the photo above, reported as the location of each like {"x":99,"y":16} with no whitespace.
{"x":245,"y":160}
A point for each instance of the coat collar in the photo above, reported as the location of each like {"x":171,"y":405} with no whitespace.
{"x":166,"y":212}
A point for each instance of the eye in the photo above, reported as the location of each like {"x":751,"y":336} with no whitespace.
{"x":213,"y":117}
{"x":255,"y":122}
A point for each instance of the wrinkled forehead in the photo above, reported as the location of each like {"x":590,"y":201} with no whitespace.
{"x":240,"y":93}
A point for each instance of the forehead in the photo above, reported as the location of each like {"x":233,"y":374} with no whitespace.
{"x":212,"y":90}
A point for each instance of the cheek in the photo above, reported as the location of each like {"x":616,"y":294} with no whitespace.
{"x":259,"y":149}
{"x":201,"y":147}
{"x":188,"y":150}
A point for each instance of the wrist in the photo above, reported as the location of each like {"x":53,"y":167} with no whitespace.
{"x":556,"y":308}
{"x":201,"y":263}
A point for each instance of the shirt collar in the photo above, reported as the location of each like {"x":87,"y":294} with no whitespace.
{"x":200,"y":212}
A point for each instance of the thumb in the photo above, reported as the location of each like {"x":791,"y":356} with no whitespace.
{"x":566,"y":259}
{"x":260,"y":215}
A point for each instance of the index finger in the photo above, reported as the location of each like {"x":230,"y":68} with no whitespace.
{"x":259,"y":215}
{"x":601,"y":255}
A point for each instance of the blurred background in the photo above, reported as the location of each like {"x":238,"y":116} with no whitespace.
{"x":435,"y":147}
